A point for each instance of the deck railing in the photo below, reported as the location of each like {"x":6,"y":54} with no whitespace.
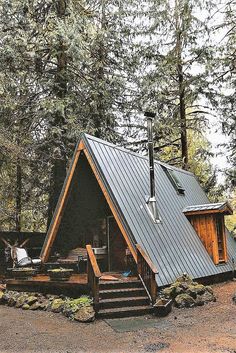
{"x":94,"y":274}
{"x":147,"y":273}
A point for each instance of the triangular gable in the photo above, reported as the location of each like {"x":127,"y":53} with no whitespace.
{"x":61,"y":204}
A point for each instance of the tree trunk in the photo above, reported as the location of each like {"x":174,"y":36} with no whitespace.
{"x":58,"y":172}
{"x":183,"y":124}
{"x":180,"y":74}
{"x":18,"y":195}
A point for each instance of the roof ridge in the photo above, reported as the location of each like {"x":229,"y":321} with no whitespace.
{"x":136,"y":154}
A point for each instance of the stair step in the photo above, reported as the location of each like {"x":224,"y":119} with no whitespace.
{"x":120,"y":284}
{"x":124,"y":292}
{"x":125,"y":312}
{"x":123,"y":302}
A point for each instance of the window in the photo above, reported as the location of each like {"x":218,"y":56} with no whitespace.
{"x":174,"y":180}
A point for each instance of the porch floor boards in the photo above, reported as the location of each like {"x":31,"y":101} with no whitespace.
{"x":77,"y":282}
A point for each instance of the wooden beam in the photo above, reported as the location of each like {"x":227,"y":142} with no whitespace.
{"x":51,"y":235}
{"x":111,"y":205}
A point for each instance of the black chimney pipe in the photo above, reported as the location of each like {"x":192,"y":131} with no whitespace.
{"x":152,"y":198}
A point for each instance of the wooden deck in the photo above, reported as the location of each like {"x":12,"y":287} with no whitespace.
{"x":76,"y":285}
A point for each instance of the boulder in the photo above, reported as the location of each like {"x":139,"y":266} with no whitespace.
{"x":35,"y":306}
{"x":184,"y":278}
{"x":184,"y":301}
{"x":25,"y":307}
{"x":21,"y":300}
{"x":31,"y":299}
{"x":57,"y":305}
{"x":208,"y":297}
{"x":85,"y":314}
{"x":196,"y":290}
{"x":1,"y":297}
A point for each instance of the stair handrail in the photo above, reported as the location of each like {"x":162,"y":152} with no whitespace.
{"x":147,"y":273}
{"x":93,"y":273}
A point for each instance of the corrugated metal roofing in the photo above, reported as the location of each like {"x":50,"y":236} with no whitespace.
{"x":173,"y":245}
{"x":206,"y":207}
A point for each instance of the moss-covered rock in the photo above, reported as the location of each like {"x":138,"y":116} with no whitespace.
{"x":1,"y":296}
{"x":85,"y":314}
{"x":184,"y":285}
{"x":57,"y":305}
{"x":184,"y":301}
{"x":35,"y":306}
{"x":25,"y":307}
{"x":195,"y":290}
{"x":31,"y":299}
{"x":21,"y":300}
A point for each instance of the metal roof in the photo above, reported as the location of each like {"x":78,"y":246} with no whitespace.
{"x":206,"y":207}
{"x":173,"y":245}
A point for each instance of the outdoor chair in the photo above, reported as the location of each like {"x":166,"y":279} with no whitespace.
{"x":21,"y":258}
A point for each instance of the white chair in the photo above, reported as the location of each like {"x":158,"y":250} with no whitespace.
{"x":21,"y":259}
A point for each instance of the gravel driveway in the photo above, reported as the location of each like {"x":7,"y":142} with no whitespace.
{"x":211,"y":328}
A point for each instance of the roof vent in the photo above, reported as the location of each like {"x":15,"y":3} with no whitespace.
{"x":151,"y":200}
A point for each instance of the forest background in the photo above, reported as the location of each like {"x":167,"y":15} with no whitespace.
{"x":72,"y":66}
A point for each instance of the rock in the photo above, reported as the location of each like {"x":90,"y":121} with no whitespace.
{"x":199,"y":300}
{"x":21,"y":300}
{"x":1,"y":296}
{"x":35,"y":306}
{"x":57,"y":305}
{"x":172,"y":291}
{"x":44,"y":304}
{"x":25,"y":307}
{"x":184,"y":301}
{"x":85,"y":314}
{"x":208,"y":297}
{"x":31,"y":300}
{"x":209,"y":289}
{"x":196,"y":290}
{"x":184,"y":278}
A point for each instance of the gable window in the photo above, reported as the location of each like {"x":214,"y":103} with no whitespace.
{"x":174,"y":180}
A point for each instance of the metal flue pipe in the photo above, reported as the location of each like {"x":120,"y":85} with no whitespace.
{"x":152,"y":198}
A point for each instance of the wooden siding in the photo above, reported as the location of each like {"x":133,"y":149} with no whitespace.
{"x":205,"y":226}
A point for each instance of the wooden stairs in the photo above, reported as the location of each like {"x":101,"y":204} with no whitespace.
{"x":123,"y":299}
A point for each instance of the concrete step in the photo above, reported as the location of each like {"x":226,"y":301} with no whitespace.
{"x":124,"y":312}
{"x":124,"y":302}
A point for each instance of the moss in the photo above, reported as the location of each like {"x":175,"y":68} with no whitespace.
{"x":57,"y":305}
{"x":184,"y":301}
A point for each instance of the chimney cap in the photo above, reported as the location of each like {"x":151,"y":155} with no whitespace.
{"x":149,"y":114}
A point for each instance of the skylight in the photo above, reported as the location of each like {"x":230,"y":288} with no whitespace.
{"x":174,"y":180}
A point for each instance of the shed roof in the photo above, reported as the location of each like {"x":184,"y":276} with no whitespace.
{"x":173,"y":245}
{"x":220,"y":207}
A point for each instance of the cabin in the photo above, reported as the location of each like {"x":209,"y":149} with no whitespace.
{"x":104,"y":222}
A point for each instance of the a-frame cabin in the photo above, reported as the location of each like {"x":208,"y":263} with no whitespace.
{"x":103,"y":203}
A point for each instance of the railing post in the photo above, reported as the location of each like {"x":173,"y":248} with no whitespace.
{"x":93,"y":273}
{"x":153,"y":288}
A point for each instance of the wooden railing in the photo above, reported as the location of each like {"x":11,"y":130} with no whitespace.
{"x":94,"y":274}
{"x":147,"y":272}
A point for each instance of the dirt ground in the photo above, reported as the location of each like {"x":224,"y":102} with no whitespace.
{"x":207,"y":329}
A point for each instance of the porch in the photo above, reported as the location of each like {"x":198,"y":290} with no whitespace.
{"x":114,"y":294}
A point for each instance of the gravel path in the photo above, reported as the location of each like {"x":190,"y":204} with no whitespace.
{"x":208,"y":329}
